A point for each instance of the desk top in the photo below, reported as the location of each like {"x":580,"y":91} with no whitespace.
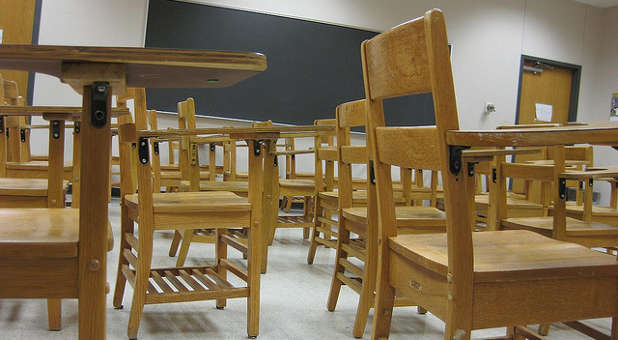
{"x":153,"y":68}
{"x":604,"y":133}
{"x":267,"y":132}
{"x":53,"y":112}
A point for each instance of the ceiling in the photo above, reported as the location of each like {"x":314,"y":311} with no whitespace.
{"x":600,"y":3}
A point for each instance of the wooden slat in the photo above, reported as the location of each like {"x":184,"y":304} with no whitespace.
{"x":219,"y":280}
{"x":352,"y":114}
{"x":418,"y":146}
{"x":352,"y":268}
{"x":234,"y":243}
{"x":528,"y":171}
{"x":160,"y":282}
{"x":132,"y":240}
{"x":204,"y":279}
{"x":128,"y":255}
{"x":393,"y":73}
{"x":173,"y":280}
{"x":352,"y":283}
{"x":129,"y":274}
{"x":190,"y":280}
{"x":354,"y":154}
{"x":326,"y":153}
{"x":235,"y":269}
{"x":353,"y":251}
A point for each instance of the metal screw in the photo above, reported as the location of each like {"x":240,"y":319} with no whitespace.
{"x":55,"y":123}
{"x":142,"y":143}
{"x":56,"y":135}
{"x":144,"y":160}
{"x":98,"y":114}
{"x":101,"y":88}
{"x":94,"y":265}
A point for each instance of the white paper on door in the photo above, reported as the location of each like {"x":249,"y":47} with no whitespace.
{"x":544,"y":112}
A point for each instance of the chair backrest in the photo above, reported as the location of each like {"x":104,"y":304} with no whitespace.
{"x":349,"y":115}
{"x":325,"y":157}
{"x":413,"y":58}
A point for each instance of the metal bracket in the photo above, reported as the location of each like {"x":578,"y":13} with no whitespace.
{"x":212,"y":146}
{"x":7,"y":132}
{"x":494,"y":176}
{"x":142,"y":150}
{"x":454,"y":155}
{"x":155,"y":148}
{"x":275,"y":162}
{"x":55,"y":127}
{"x":1,"y":123}
{"x":471,"y":168}
{"x":372,"y":174}
{"x":257,"y":145}
{"x":98,"y":105}
{"x":581,"y":185}
{"x":77,"y":127}
{"x":193,"y":154}
{"x":562,"y":188}
{"x":590,"y":182}
{"x":22,"y":135}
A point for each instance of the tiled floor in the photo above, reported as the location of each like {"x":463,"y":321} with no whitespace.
{"x":293,"y":304}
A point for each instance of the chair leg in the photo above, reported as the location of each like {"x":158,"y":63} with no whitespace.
{"x":544,"y":329}
{"x":187,"y":236}
{"x":319,"y":211}
{"x":288,"y":206}
{"x":614,"y":335}
{"x":54,"y":314}
{"x":175,"y":243}
{"x":383,"y":310}
{"x":335,"y":287}
{"x":364,"y":305}
{"x":254,"y":272}
{"x":126,"y":227}
{"x":221,"y":253}
{"x":137,"y":309}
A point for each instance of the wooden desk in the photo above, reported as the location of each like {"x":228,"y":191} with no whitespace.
{"x":603,"y":133}
{"x":262,"y":154}
{"x":97,"y":73}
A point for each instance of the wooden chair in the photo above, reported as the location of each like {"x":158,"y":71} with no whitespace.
{"x":469,"y":280}
{"x":181,"y":211}
{"x":39,"y":243}
{"x":362,"y":221}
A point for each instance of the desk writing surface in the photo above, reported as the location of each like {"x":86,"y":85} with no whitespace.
{"x":153,"y":68}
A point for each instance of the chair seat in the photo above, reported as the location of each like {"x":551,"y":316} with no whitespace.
{"x":416,"y":216}
{"x":176,"y":175}
{"x":35,"y":165}
{"x":26,"y":186}
{"x":545,"y":225}
{"x":360,"y":195}
{"x":234,"y":186}
{"x":41,"y":232}
{"x":572,"y":207}
{"x":508,"y":255}
{"x":203,"y":201}
{"x":297,"y":183}
{"x":511,"y":202}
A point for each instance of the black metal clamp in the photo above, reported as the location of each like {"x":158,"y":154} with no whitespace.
{"x":257,"y":145}
{"x":372,"y":173}
{"x":494,"y":176}
{"x":455,"y":159}
{"x":155,"y":148}
{"x":98,"y":104}
{"x":212,"y":146}
{"x":562,"y":188}
{"x":77,"y":127}
{"x":22,"y":135}
{"x":55,"y":127}
{"x":142,"y":150}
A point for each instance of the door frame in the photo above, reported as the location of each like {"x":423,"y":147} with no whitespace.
{"x":575,"y":82}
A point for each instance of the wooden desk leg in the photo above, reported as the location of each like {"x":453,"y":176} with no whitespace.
{"x":93,"y":214}
{"x":269,"y":212}
{"x":255,"y":195}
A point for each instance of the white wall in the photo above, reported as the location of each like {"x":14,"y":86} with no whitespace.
{"x":489,"y":36}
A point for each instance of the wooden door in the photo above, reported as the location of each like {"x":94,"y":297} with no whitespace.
{"x":17,"y":22}
{"x":549,"y":88}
